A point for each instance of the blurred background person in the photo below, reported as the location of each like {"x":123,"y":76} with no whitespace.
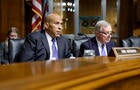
{"x":11,"y":34}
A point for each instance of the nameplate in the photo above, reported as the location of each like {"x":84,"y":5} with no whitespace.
{"x":126,"y":51}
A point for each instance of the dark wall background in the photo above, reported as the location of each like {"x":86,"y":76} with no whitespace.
{"x":18,"y":13}
{"x":11,"y":14}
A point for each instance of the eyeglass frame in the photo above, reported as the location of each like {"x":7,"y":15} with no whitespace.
{"x":106,"y":33}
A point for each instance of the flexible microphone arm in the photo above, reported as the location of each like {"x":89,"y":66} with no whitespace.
{"x":81,"y":34}
{"x":88,"y":38}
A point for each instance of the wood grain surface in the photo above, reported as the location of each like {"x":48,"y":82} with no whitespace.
{"x":86,"y":73}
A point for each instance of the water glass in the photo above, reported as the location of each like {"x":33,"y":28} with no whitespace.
{"x":89,"y":53}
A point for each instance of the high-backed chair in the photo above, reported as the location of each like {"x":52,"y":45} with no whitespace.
{"x":76,"y":41}
{"x":132,"y":41}
{"x":76,"y":46}
{"x":15,"y":46}
{"x":70,"y":37}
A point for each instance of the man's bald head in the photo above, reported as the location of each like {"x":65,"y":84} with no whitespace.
{"x":51,"y":17}
{"x":53,"y":25}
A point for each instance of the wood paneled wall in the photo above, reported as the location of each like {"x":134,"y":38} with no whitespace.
{"x":126,"y":19}
{"x":12,"y":14}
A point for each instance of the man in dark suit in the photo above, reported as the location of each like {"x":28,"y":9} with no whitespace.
{"x":39,"y":46}
{"x":101,"y":43}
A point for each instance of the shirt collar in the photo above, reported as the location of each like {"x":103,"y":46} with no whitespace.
{"x":98,"y":42}
{"x":48,"y":36}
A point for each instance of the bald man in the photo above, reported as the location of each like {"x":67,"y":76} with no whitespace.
{"x":40,"y":45}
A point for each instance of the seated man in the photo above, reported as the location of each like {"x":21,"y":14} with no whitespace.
{"x":101,"y":43}
{"x":48,"y":44}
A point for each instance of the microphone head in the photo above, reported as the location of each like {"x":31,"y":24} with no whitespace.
{"x":80,"y":34}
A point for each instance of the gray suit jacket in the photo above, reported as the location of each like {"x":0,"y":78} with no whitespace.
{"x":36,"y":47}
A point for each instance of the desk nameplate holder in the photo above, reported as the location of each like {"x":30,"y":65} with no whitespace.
{"x":126,"y":51}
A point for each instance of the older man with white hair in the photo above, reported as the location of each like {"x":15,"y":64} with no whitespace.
{"x":101,"y":43}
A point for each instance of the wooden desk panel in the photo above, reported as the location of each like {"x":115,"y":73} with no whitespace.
{"x":78,"y":74}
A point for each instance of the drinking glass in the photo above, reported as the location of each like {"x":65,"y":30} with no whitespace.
{"x":89,"y":53}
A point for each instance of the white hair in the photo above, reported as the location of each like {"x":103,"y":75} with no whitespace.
{"x":101,"y":23}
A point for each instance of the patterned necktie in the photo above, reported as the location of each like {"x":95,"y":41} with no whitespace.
{"x":54,"y":50}
{"x":103,"y":50}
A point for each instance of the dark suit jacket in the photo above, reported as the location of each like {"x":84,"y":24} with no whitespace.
{"x":4,"y":53}
{"x":36,"y":47}
{"x":92,"y":44}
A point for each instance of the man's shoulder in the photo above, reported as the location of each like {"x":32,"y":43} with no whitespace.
{"x":63,"y":39}
{"x":111,"y":43}
{"x":37,"y":34}
{"x":93,"y":40}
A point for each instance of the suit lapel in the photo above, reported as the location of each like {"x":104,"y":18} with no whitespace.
{"x":95,"y":46}
{"x":45,"y":42}
{"x":60,"y":47}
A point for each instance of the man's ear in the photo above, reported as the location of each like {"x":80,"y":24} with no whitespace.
{"x":46,"y":25}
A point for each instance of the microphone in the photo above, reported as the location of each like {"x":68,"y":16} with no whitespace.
{"x":86,"y":37}
{"x":81,"y":34}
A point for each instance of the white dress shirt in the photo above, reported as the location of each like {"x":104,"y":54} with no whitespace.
{"x":100,"y":47}
{"x":49,"y":38}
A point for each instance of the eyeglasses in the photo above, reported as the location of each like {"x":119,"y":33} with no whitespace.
{"x":106,"y":33}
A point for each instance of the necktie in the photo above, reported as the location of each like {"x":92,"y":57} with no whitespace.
{"x":54,"y":50}
{"x":103,"y":50}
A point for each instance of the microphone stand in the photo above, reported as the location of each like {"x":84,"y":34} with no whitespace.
{"x":88,"y":38}
{"x":89,"y":51}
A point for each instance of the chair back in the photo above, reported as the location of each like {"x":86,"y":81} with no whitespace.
{"x":76,"y":45}
{"x":76,"y":41}
{"x":15,"y":46}
{"x":70,"y":37}
{"x":132,"y":41}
